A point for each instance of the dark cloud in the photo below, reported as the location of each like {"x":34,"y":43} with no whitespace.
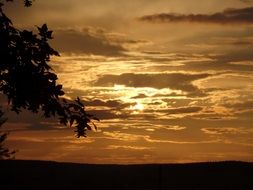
{"x":140,"y":96}
{"x":246,"y":1}
{"x":109,"y":103}
{"x":242,"y":106}
{"x":173,"y":94}
{"x":26,"y":120}
{"x":243,"y":43}
{"x":227,"y":60}
{"x":73,"y":41}
{"x":108,"y":114}
{"x":176,"y":81}
{"x":184,"y":110}
{"x":228,"y":16}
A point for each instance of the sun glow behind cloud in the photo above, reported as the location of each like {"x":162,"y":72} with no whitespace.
{"x":137,"y":108}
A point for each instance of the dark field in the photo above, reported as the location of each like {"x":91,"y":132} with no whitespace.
{"x":15,"y":175}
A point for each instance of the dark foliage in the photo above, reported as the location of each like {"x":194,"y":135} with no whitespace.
{"x":5,"y":153}
{"x":27,"y":79}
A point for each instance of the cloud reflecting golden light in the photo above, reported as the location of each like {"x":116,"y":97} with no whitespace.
{"x":168,"y":92}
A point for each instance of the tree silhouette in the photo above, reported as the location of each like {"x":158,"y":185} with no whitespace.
{"x":29,"y":82}
{"x":5,"y":153}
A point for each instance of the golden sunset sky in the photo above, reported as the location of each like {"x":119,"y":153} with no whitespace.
{"x":171,"y":80}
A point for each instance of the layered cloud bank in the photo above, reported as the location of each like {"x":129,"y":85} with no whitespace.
{"x":177,"y":92}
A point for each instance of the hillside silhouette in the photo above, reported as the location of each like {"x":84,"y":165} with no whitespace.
{"x":38,"y":175}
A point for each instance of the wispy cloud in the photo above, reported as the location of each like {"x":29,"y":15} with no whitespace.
{"x":127,"y":147}
{"x":227,"y":130}
{"x":134,"y":138}
{"x":124,"y":136}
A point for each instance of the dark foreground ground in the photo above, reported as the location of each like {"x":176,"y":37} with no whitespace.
{"x":38,"y":175}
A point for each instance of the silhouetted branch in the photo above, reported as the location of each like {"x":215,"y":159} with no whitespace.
{"x":27,"y":79}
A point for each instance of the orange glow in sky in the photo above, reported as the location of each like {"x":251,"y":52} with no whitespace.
{"x":169,"y":81}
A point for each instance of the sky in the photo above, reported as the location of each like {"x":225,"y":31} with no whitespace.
{"x":170,"y":80}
